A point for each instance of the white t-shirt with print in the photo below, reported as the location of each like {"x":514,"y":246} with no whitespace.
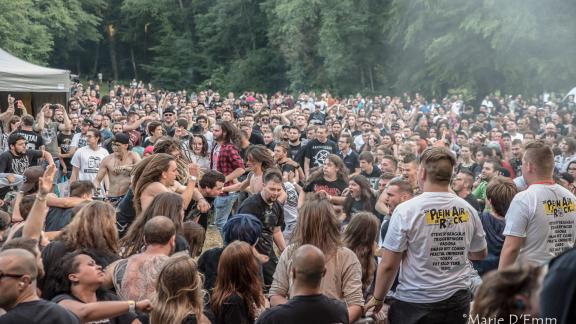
{"x":437,"y":230}
{"x":545,"y":216}
{"x":88,"y":162}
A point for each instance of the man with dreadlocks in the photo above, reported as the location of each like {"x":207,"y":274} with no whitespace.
{"x":153,"y":175}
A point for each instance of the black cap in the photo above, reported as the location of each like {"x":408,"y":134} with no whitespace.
{"x":121,"y":138}
{"x":88,"y":121}
{"x":169,"y":110}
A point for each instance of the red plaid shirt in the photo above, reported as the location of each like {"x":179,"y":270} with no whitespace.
{"x":228,"y":159}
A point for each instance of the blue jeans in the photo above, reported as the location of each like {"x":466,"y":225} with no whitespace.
{"x":222,"y":209}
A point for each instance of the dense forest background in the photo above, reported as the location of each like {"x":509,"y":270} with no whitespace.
{"x":345,"y":46}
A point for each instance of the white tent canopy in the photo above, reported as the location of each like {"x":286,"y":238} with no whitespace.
{"x":17,"y":75}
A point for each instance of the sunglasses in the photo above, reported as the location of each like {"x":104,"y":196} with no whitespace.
{"x":10,"y":275}
{"x":168,"y":115}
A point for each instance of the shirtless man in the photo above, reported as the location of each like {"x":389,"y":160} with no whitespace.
{"x":118,"y":167}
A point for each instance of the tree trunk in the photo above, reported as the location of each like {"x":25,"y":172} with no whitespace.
{"x":96,"y":59}
{"x":371,"y":76}
{"x":362,"y":78}
{"x":113,"y":59}
{"x":133,"y":59}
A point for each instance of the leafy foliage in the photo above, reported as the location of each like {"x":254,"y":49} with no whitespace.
{"x":346,"y":46}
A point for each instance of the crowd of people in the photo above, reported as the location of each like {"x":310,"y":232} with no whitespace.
{"x":330,"y":210}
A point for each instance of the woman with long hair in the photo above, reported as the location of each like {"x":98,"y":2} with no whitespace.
{"x":331,"y":179}
{"x":179,"y":294}
{"x":567,"y":147}
{"x":199,"y":152}
{"x":93,"y":228}
{"x":237,"y":296}
{"x":510,"y":292}
{"x":79,"y":279}
{"x":317,"y":225}
{"x":258,"y":160}
{"x":361,"y":236}
{"x":167,"y":204}
{"x":359,"y":198}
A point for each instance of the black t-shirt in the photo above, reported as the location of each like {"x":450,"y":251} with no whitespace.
{"x":57,"y":218}
{"x":270,"y":216}
{"x":373,"y":177}
{"x":39,"y":311}
{"x":33,"y":139}
{"x":294,"y":150}
{"x":559,"y":289}
{"x":333,"y":188}
{"x":64,"y":144}
{"x":285,"y":167}
{"x":125,"y":213}
{"x":351,"y":161}
{"x":233,"y":310}
{"x":314,"y":309}
{"x":18,"y":164}
{"x":208,"y":266}
{"x":256,"y":139}
{"x":126,"y":318}
{"x":318,"y":152}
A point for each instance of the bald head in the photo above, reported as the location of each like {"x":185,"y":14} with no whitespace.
{"x":18,"y":261}
{"x":159,"y":230}
{"x":308,"y":265}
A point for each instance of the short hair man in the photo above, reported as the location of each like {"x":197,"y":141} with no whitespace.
{"x":57,"y":218}
{"x":18,"y":274}
{"x":433,"y":235}
{"x":348,"y":155}
{"x":210,"y":186}
{"x":265,"y":206}
{"x":409,"y":170}
{"x":134,"y":278}
{"x":307,"y":303}
{"x":397,"y":191}
{"x":540,"y":223}
{"x":369,"y":170}
{"x":490,"y":169}
{"x":462,"y":186}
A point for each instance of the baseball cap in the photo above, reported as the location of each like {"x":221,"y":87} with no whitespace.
{"x":121,"y":138}
{"x":169,"y":110}
{"x":88,"y":121}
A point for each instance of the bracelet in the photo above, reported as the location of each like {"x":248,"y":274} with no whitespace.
{"x":131,"y":306}
{"x":377,"y":301}
{"x":41,"y":198}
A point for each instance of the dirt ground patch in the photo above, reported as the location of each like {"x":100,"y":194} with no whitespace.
{"x":213,"y":238}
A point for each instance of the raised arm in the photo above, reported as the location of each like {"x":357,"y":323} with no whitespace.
{"x":5,"y":116}
{"x":35,"y":221}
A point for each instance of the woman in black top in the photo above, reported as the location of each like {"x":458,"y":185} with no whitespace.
{"x":79,"y":279}
{"x":237,"y":297}
{"x":331,"y":179}
{"x":359,"y":198}
{"x":93,"y":228}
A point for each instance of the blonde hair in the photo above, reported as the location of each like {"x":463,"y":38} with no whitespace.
{"x":179,"y":291}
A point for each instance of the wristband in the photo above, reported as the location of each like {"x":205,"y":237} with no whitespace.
{"x":377,"y":301}
{"x":131,"y":306}
{"x":41,"y":198}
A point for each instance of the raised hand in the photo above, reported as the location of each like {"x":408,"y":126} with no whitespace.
{"x":46,"y":181}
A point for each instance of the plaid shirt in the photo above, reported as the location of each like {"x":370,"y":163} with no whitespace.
{"x":228,"y":159}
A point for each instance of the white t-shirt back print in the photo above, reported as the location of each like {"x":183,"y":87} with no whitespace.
{"x":437,"y":229}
